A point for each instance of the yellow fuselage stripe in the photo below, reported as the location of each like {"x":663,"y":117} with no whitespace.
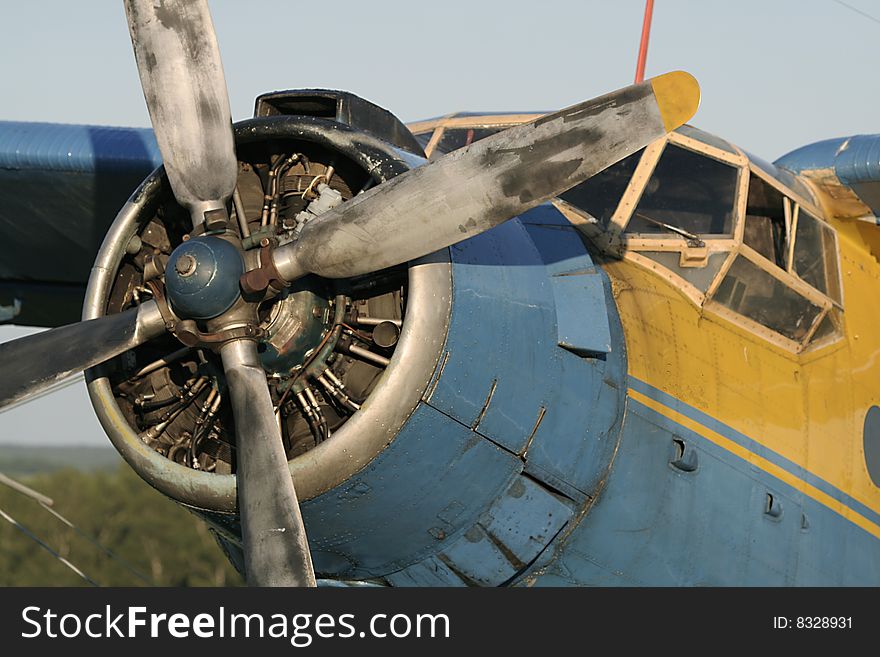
{"x":758,"y":461}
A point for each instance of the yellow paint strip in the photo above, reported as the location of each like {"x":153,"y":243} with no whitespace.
{"x":759,"y":462}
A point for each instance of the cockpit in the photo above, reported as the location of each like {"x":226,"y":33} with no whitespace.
{"x":737,"y":236}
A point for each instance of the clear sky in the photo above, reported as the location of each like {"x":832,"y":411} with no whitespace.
{"x":775,"y":74}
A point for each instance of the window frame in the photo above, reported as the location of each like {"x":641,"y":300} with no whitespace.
{"x":631,"y":246}
{"x":439,"y":125}
{"x":640,"y":240}
{"x":835,"y":248}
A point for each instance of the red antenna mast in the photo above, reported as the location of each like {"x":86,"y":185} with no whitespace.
{"x":643,"y":47}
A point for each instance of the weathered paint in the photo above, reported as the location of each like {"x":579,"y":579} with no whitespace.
{"x":758,"y":422}
{"x":655,"y":525}
{"x":842,"y":167}
{"x":504,"y":451}
{"x":61,"y":186}
{"x":518,"y":466}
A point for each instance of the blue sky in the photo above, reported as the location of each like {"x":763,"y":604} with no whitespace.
{"x":774,"y":75}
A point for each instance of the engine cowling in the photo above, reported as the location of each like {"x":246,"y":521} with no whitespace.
{"x":481,"y":427}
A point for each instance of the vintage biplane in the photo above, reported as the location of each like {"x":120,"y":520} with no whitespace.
{"x":597,"y":346}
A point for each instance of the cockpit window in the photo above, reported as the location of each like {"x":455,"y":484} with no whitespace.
{"x":600,"y":195}
{"x":762,"y":261}
{"x":688,"y":191}
{"x":765,"y":229}
{"x":750,"y":291}
{"x":815,"y":251}
{"x":423,"y":138}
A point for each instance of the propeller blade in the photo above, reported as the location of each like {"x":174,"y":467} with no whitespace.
{"x":475,"y":188}
{"x":276,"y":551}
{"x":32,"y":363}
{"x":182,"y":76}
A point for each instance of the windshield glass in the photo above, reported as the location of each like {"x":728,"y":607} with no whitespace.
{"x":689,"y":191}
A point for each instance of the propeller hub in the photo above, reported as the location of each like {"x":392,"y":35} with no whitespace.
{"x":202,"y":277}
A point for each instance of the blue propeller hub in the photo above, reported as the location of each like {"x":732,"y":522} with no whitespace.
{"x":202,"y":277}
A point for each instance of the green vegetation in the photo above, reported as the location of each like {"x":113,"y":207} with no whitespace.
{"x":168,"y":544}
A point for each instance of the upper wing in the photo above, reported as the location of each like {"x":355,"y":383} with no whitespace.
{"x":60,"y":189}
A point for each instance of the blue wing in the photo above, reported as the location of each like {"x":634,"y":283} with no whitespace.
{"x":60,"y":189}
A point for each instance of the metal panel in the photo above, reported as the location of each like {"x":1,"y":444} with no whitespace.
{"x":578,"y":295}
{"x":656,"y":525}
{"x":581,"y":313}
{"x":479,"y":560}
{"x":500,"y":336}
{"x":580,"y":429}
{"x":508,"y":377}
{"x":504,"y":542}
{"x":430,"y":572}
{"x":576,"y":439}
{"x":430,"y":484}
{"x":526,"y":518}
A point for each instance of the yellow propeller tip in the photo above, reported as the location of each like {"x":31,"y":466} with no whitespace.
{"x":678,"y":97}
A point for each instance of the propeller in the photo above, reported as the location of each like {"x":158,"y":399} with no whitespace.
{"x":276,"y":550}
{"x":459,"y":196}
{"x":179,"y":64}
{"x":475,"y":188}
{"x":182,"y":76}
{"x":35,"y":362}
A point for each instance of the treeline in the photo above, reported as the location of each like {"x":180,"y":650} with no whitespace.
{"x":152,"y":538}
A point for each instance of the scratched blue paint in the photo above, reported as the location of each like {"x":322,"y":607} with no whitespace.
{"x":500,"y":286}
{"x":654,"y":525}
{"x":509,"y":536}
{"x":581,"y":313}
{"x":573,"y":446}
{"x":503,"y":282}
{"x":389,"y":514}
{"x":428,"y":572}
{"x":473,"y":520}
{"x":524,"y":520}
{"x":579,"y":430}
{"x":580,"y":304}
{"x":755,"y":447}
{"x":526,"y":535}
{"x":478,"y":560}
